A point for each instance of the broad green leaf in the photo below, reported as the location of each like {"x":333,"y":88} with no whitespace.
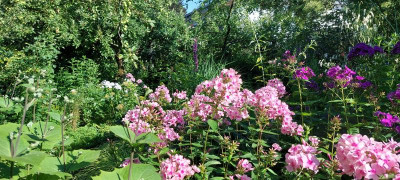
{"x":52,"y":135}
{"x":33,"y":157}
{"x":80,"y":158}
{"x":55,"y":115}
{"x":138,"y":172}
{"x":51,"y":166}
{"x":147,"y":138}
{"x":123,"y":133}
{"x":213,"y":124}
{"x":74,"y":160}
{"x":23,"y":155}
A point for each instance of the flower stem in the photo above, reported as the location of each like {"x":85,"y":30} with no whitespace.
{"x":301,"y":101}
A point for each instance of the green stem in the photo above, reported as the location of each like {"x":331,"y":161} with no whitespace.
{"x":301,"y":102}
{"x":130,"y":166}
{"x":205,"y":150}
{"x":345,"y":109}
{"x":11,"y":170}
{"x":62,"y":136}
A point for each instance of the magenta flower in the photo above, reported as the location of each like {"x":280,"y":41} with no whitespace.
{"x":304,"y":73}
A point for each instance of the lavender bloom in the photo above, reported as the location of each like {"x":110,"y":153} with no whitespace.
{"x":365,"y":84}
{"x":312,"y":85}
{"x":397,"y":129}
{"x":378,"y":49}
{"x":394,"y":94}
{"x":304,"y":73}
{"x":196,"y":61}
{"x":361,"y":49}
{"x":396,"y":48}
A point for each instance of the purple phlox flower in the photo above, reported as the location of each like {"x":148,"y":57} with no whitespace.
{"x":378,"y":49}
{"x":304,"y":73}
{"x":359,"y":81}
{"x":287,"y":56}
{"x":397,"y":129}
{"x":361,"y":49}
{"x":394,"y":94}
{"x":312,"y":85}
{"x":342,"y":76}
{"x":396,"y":48}
{"x":387,"y":119}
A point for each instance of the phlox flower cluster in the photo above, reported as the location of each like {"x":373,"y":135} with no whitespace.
{"x":180,"y":95}
{"x":394,"y":94}
{"x":396,"y":48}
{"x":345,"y":77}
{"x":268,"y":105}
{"x":312,"y":85}
{"x":110,"y":85}
{"x":161,"y":94}
{"x":314,"y":141}
{"x":127,"y":161}
{"x":278,"y":85}
{"x":130,"y":77}
{"x":363,"y":157}
{"x":176,"y":167}
{"x":287,"y":56}
{"x":359,"y":81}
{"x":222,"y":97}
{"x":276,"y":147}
{"x":302,"y":156}
{"x":304,"y":73}
{"x":362,"y":49}
{"x":240,"y":177}
{"x":149,"y":116}
{"x":242,"y":167}
{"x":389,"y":120}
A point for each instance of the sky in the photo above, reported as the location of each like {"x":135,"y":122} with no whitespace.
{"x":191,"y":5}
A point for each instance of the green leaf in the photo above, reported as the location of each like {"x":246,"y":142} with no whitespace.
{"x":213,"y":162}
{"x":55,"y":115}
{"x":213,"y":124}
{"x":33,"y":157}
{"x":138,"y":171}
{"x":23,"y":155}
{"x":5,"y":102}
{"x":80,"y":158}
{"x":217,"y":178}
{"x":51,"y":166}
{"x":74,"y":160}
{"x":51,"y":137}
{"x":123,"y":133}
{"x":147,"y":138}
